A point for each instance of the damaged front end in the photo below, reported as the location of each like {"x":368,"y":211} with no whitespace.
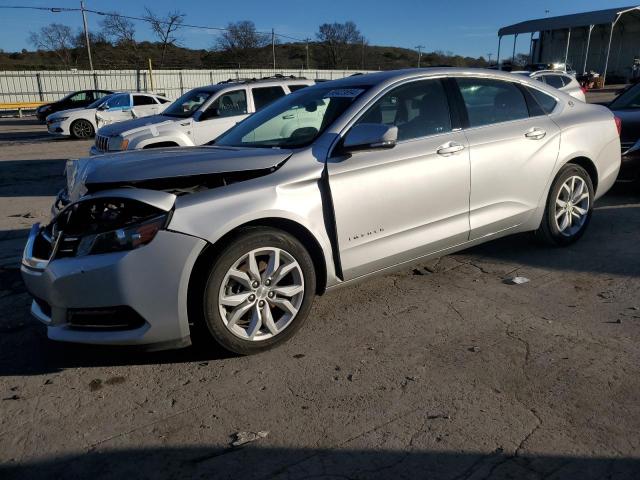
{"x":110,"y":221}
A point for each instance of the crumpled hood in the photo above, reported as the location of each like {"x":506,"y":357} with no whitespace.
{"x":129,"y":126}
{"x":130,"y":168}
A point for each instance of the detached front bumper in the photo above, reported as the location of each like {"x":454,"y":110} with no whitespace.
{"x":137,"y":297}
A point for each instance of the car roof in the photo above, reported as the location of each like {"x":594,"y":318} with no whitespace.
{"x":261,"y":82}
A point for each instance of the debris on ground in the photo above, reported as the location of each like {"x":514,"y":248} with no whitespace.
{"x":242,"y":438}
{"x":516,"y":280}
{"x":12,"y":397}
{"x":299,"y":355}
{"x":474,"y":349}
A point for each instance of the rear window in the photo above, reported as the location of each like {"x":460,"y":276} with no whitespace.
{"x":546,"y":102}
{"x":556,"y":81}
{"x":263,"y":96}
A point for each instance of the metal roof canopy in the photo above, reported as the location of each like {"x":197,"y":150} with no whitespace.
{"x":576,"y":20}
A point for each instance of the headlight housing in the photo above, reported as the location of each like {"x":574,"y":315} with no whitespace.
{"x":105,"y":225}
{"x":124,"y":144}
{"x":56,"y":119}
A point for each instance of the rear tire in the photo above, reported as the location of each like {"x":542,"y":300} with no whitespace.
{"x":569,"y":207}
{"x":259,"y":290}
{"x":82,"y":129}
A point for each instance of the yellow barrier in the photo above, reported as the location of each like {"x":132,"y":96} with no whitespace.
{"x":20,"y":106}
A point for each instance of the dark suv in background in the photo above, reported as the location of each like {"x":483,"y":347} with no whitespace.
{"x":78,"y":99}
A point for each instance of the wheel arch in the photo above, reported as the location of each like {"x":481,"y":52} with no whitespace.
{"x":590,"y":168}
{"x":200,"y":271}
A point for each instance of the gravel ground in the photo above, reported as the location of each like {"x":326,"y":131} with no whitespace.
{"x":438,"y":371}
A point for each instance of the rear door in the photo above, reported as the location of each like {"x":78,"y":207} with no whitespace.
{"x":513,"y":147}
{"x":395,"y":205}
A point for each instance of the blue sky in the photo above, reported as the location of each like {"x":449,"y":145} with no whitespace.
{"x":466,"y":27}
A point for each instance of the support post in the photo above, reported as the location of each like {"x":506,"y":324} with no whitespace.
{"x":566,"y":52}
{"x":498,"y":57}
{"x":531,"y":48}
{"x":273,"y":48}
{"x":586,"y":54}
{"x":606,"y":63}
{"x":86,"y":34}
{"x":151,"y":76}
{"x":307,"y":52}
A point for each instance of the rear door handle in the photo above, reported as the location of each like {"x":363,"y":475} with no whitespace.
{"x":449,"y":148}
{"x":535,"y":134}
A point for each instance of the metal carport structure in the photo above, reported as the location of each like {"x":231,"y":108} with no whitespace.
{"x":583,"y":26}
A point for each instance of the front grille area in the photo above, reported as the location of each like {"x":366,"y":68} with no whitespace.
{"x":102,"y":143}
{"x":104,"y":318}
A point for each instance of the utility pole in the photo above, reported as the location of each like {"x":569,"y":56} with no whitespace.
{"x":419,"y":48}
{"x":307,"y":49}
{"x":489,"y":55}
{"x":86,"y":34}
{"x":273,"y":47}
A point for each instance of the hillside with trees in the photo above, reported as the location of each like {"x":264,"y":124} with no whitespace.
{"x":239,"y":45}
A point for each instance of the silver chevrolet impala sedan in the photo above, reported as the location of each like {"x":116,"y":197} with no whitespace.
{"x":336,"y":182}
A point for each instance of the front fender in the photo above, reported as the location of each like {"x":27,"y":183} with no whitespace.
{"x":212,"y":214}
{"x":179,"y":138}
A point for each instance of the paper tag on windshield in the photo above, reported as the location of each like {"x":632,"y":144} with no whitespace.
{"x":343,"y":93}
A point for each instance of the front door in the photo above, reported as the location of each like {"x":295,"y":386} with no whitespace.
{"x":223,"y":113}
{"x":395,"y":205}
{"x":513,"y":149}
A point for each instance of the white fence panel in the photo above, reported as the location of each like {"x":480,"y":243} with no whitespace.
{"x":50,"y":85}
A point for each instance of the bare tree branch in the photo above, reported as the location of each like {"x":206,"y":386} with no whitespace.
{"x":57,"y":38}
{"x":337,"y":39}
{"x":164,"y":27}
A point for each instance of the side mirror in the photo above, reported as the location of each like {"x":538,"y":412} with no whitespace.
{"x":369,"y":136}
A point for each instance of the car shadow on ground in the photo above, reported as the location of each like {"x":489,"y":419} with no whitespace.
{"x":31,"y":178}
{"x":255,"y":462}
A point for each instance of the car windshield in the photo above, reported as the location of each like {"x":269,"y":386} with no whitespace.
{"x":187,"y":104}
{"x":628,"y":99}
{"x":293,"y":121}
{"x":99,"y":102}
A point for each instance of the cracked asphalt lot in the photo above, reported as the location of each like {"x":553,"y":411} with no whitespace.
{"x":438,"y":371}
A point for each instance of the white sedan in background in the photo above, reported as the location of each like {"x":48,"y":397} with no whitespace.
{"x":558,"y":79}
{"x":83,"y":122}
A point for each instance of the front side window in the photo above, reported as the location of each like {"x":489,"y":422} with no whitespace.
{"x":491,"y":101}
{"x":293,"y":121}
{"x":263,"y":96}
{"x":187,"y":104}
{"x":119,"y":101}
{"x":628,"y":99}
{"x":230,"y":104}
{"x":418,"y":109}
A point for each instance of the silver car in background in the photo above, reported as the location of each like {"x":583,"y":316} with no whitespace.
{"x":322,"y":188}
{"x":563,"y":81}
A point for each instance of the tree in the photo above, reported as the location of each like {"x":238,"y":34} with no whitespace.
{"x":164,"y":28}
{"x":240,"y":41}
{"x":337,"y":40}
{"x":57,"y":38}
{"x":118,"y":30}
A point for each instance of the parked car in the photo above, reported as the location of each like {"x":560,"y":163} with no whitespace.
{"x":198,"y":116}
{"x":238,"y":237}
{"x":78,"y":99}
{"x":560,"y":80}
{"x":117,"y":107}
{"x":626,"y":106}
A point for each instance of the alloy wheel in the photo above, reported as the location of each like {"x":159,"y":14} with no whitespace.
{"x":572,"y":206}
{"x":82,"y":129}
{"x":261,"y":294}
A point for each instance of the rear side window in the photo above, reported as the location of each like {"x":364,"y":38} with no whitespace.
{"x":492,"y":101}
{"x":546,"y":102}
{"x":554,"y":81}
{"x":295,"y":88}
{"x":143,"y":100}
{"x":263,"y":96}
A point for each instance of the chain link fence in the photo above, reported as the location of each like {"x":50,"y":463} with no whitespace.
{"x":50,"y":85}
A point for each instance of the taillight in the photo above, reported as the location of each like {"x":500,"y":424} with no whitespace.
{"x":618,"y":125}
{"x":583,"y":88}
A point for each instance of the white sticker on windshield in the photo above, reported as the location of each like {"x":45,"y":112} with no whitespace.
{"x":343,"y":93}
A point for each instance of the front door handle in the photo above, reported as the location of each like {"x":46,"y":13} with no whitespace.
{"x":535,"y":134}
{"x":288,"y":117}
{"x":449,"y":148}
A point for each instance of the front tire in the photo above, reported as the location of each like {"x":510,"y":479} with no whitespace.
{"x":82,"y":129}
{"x":259,"y":291}
{"x":569,"y":207}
